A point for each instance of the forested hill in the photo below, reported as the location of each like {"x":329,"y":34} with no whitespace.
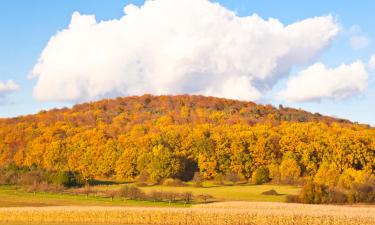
{"x":175,"y":136}
{"x":180,"y":109}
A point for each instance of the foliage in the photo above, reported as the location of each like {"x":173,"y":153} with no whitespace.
{"x":289,"y":170}
{"x":261,"y":175}
{"x":176,"y":136}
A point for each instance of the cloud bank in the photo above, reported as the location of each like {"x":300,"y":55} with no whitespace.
{"x":359,"y":42}
{"x":318,"y":82}
{"x":371,"y":63}
{"x":7,"y":88}
{"x":176,"y":46}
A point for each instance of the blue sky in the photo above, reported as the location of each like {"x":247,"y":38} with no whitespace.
{"x":27,"y":26}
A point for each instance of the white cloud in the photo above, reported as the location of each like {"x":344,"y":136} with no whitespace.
{"x":371,"y":63}
{"x":176,"y":46}
{"x":359,"y":42}
{"x":7,"y":88}
{"x":318,"y":82}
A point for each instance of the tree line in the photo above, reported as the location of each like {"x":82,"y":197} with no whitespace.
{"x":153,"y":138}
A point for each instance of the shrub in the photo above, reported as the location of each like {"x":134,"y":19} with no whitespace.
{"x":270,"y":192}
{"x":156,"y":196}
{"x":8,"y":177}
{"x":187,"y":197}
{"x":66,"y":179}
{"x":205,"y":197}
{"x":173,"y":182}
{"x":143,"y":177}
{"x":364,"y":193}
{"x":170,"y":196}
{"x":111,"y":194}
{"x":293,"y":198}
{"x":313,"y":194}
{"x":336,"y":196}
{"x":197,"y":179}
{"x":232,"y":177}
{"x":261,"y":175}
{"x":29,"y":178}
{"x":219,"y":179}
{"x":131,"y":192}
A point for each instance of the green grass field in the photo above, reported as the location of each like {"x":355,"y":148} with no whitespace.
{"x":243,"y":192}
{"x":11,"y":196}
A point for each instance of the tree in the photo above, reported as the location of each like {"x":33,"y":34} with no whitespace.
{"x":327,"y":175}
{"x":261,"y":175}
{"x":163,"y":164}
{"x":289,"y":170}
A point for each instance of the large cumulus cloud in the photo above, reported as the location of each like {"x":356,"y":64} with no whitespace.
{"x":176,"y":46}
{"x":318,"y":82}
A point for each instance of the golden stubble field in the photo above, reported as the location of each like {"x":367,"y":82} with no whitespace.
{"x":226,"y":213}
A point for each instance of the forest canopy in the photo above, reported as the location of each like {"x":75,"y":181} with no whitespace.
{"x":177,"y":136}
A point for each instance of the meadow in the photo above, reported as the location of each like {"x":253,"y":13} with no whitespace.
{"x":230,"y":192}
{"x":11,"y":196}
{"x":235,"y":204}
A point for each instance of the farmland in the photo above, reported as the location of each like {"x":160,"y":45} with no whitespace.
{"x":18,"y":207}
{"x":217,"y":213}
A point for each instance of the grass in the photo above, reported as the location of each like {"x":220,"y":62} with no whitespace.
{"x":11,"y":196}
{"x":243,"y":192}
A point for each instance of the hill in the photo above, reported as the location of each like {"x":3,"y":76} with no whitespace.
{"x":158,"y":137}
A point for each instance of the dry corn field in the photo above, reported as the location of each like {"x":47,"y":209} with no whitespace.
{"x":241,"y":213}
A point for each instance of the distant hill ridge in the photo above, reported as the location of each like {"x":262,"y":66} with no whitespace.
{"x":156,"y":106}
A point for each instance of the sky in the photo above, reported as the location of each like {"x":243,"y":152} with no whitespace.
{"x":315,"y":55}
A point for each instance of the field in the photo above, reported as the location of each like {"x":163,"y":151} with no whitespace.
{"x":13,"y":197}
{"x":241,"y":213}
{"x":235,"y":192}
{"x":60,"y":209}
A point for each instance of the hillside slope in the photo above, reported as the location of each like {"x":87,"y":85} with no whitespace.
{"x":175,"y":136}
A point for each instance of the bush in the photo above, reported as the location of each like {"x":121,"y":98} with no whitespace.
{"x":173,"y":182}
{"x":219,"y":179}
{"x":8,"y":177}
{"x":29,"y":178}
{"x":66,"y":179}
{"x":131,"y":192}
{"x":362,"y":193}
{"x":270,"y":192}
{"x":232,"y":177}
{"x":156,"y":196}
{"x":197,"y":179}
{"x":261,"y":175}
{"x":314,"y":194}
{"x":293,"y":198}
{"x":170,"y":196}
{"x":143,"y":177}
{"x":187,"y":197}
{"x":205,"y":197}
